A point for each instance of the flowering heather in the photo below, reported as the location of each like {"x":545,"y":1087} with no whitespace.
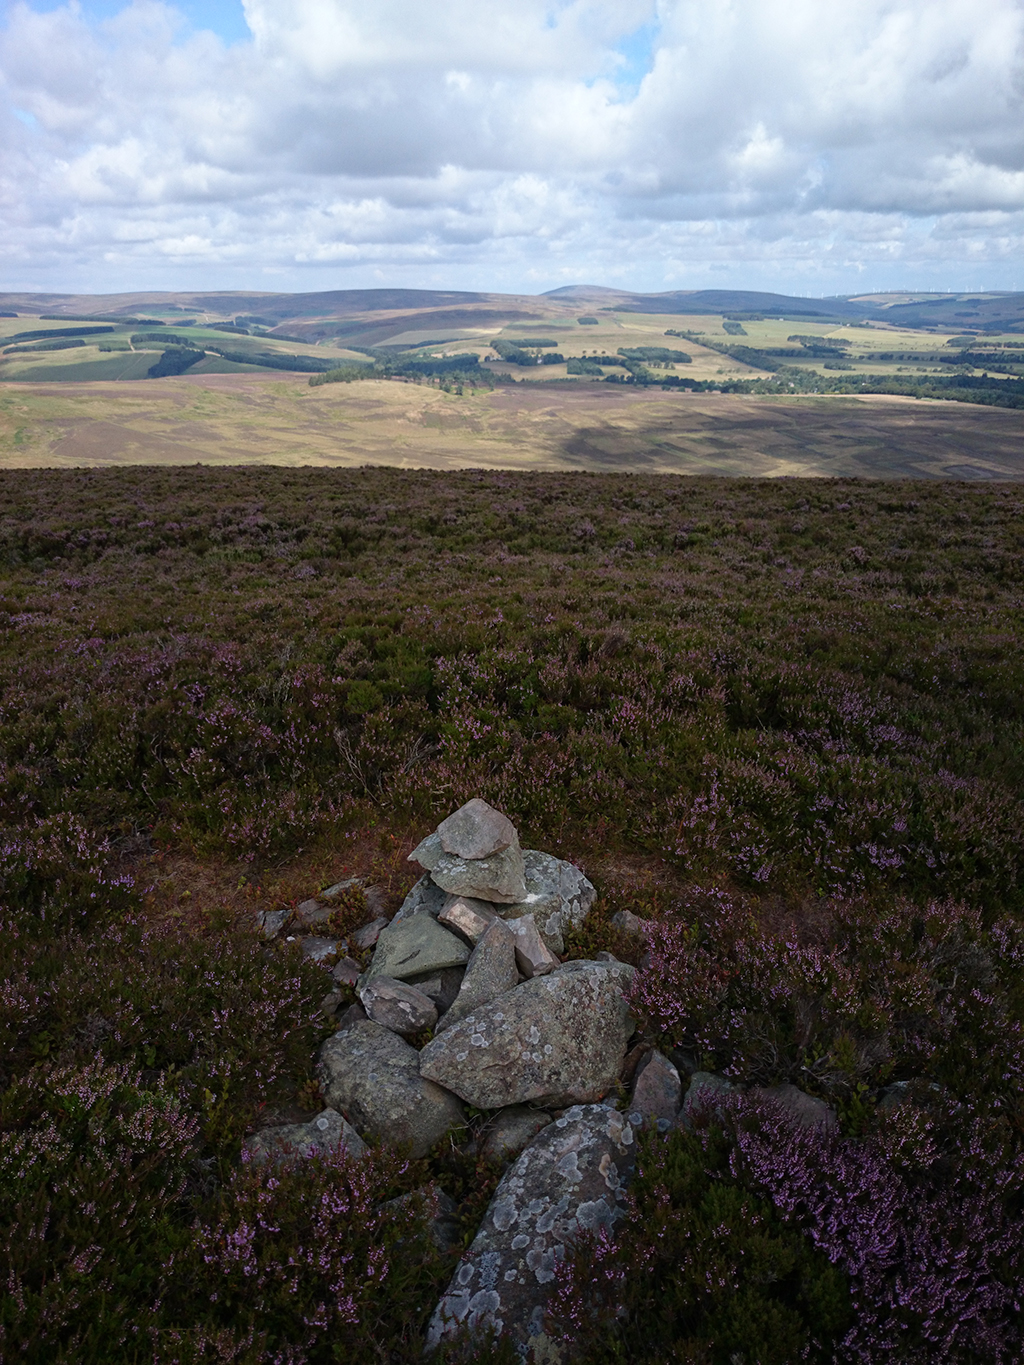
{"x":781,"y":720}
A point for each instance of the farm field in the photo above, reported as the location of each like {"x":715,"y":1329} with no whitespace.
{"x":258,"y":418}
{"x":746,"y":342}
{"x":781,"y":720}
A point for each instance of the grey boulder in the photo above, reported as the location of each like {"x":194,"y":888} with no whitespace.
{"x":802,"y":1110}
{"x":291,"y":1142}
{"x":557,"y":895}
{"x":703,"y":1103}
{"x":557,"y":1040}
{"x":657,"y":1091}
{"x":414,"y":946}
{"x":571,"y":1178}
{"x":397,"y":1005}
{"x":628,"y":923}
{"x":490,"y":972}
{"x":373,"y":1075}
{"x":511,"y":1130}
{"x":271,"y":922}
{"x":310,"y":913}
{"x":476,"y":830}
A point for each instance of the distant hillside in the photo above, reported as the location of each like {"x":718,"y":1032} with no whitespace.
{"x":371,"y":316}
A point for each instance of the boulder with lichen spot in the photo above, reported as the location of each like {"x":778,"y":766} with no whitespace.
{"x":571,"y":1178}
{"x":556,"y":1040}
{"x":373,"y":1076}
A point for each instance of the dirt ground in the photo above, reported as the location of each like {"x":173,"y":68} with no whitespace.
{"x":251,"y":419}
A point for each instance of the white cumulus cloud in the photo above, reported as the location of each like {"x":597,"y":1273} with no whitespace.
{"x":649,"y":143}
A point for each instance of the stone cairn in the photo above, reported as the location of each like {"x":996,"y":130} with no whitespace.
{"x":473,"y":954}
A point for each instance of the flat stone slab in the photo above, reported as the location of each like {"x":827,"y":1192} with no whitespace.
{"x":557,"y":1040}
{"x":318,"y":949}
{"x":572,"y":1177}
{"x":414,"y":946}
{"x":397,"y":1005}
{"x":368,"y":935}
{"x":291,"y":1143}
{"x":491,"y":972}
{"x":373,"y":1076}
{"x":467,"y":917}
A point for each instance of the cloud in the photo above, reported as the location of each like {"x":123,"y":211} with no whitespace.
{"x":491,"y":145}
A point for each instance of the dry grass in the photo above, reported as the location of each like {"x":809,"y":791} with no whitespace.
{"x":252,"y":419}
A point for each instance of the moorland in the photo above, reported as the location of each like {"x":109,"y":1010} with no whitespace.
{"x":780,"y":719}
{"x":710,"y":382}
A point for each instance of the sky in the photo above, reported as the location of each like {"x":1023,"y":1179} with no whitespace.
{"x":512,"y":145}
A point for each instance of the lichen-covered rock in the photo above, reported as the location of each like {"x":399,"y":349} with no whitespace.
{"x":476,"y":830}
{"x":292,"y":1142}
{"x":533,"y":956}
{"x":398,"y":1006}
{"x":556,"y":1040}
{"x":511,"y":1130}
{"x":373,"y":1076}
{"x":557,"y":895}
{"x":318,"y":949}
{"x":426,"y":897}
{"x":499,"y":878}
{"x":414,"y":946}
{"x":490,"y":972}
{"x":571,"y":1178}
{"x":657,"y":1091}
{"x":427,"y":852}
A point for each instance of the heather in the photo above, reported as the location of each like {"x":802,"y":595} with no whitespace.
{"x":780,"y":720}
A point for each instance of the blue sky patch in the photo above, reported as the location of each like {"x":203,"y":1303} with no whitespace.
{"x":223,"y":17}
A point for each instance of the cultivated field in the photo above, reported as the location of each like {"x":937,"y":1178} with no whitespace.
{"x":279,"y":419}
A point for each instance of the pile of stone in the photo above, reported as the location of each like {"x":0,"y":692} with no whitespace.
{"x":466,"y":1002}
{"x":472,"y":957}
